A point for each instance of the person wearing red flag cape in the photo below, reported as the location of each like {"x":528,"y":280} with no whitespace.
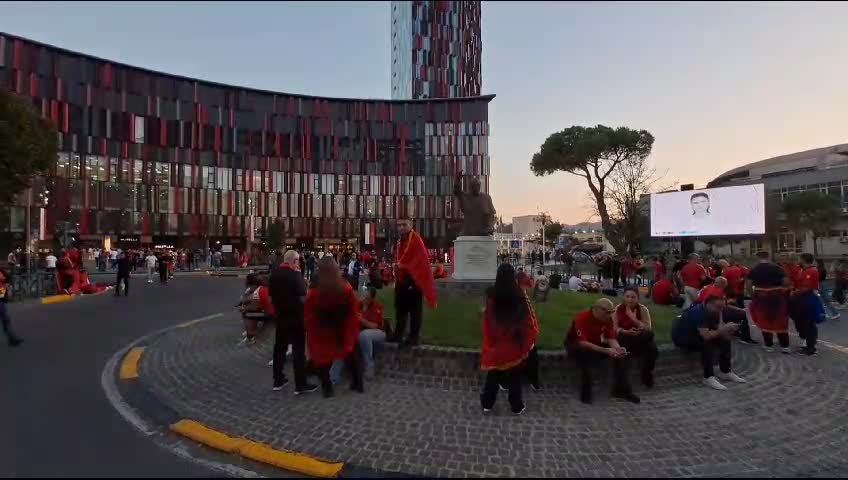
{"x":331,"y":318}
{"x":413,"y":282}
{"x":509,"y":341}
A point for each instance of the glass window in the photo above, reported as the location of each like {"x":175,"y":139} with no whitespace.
{"x":370,"y":207}
{"x":393,"y":185}
{"x":166,"y":200}
{"x":284,"y":203}
{"x":95,"y":168}
{"x":340,"y":187}
{"x":257,"y":181}
{"x":239,"y":179}
{"x":317,"y":206}
{"x":139,"y":130}
{"x":62,"y":164}
{"x":338,"y":206}
{"x":271,"y":208}
{"x":316,"y":184}
{"x":351,"y":206}
{"x":355,"y":185}
{"x":114,"y":170}
{"x":390,"y":207}
{"x":75,"y":166}
{"x":375,"y":186}
{"x":296,"y":183}
{"x":163,"y":173}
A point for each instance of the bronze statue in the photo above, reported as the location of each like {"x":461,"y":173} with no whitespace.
{"x":477,"y":209}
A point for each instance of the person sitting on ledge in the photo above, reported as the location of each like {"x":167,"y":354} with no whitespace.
{"x":524,"y":280}
{"x":371,"y":324}
{"x":509,"y":341}
{"x":591,"y":339}
{"x":730,"y":313}
{"x":634,"y":332}
{"x":331,"y":318}
{"x":439,"y":271}
{"x":701,"y":328}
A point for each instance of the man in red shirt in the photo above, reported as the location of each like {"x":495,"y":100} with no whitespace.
{"x":665,"y":293}
{"x":809,"y":306}
{"x":736,"y":275}
{"x":716,"y":289}
{"x":592,"y":339}
{"x":692,"y":276}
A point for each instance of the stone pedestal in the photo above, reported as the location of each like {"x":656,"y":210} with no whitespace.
{"x":475,"y":258}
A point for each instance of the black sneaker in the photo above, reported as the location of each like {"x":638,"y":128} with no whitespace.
{"x":360,"y":388}
{"x":535,"y":386}
{"x":648,"y":380}
{"x":809,"y":351}
{"x":14,"y":342}
{"x":279,"y":385}
{"x":308,"y":388}
{"x":520,"y":411}
{"x":629,"y":396}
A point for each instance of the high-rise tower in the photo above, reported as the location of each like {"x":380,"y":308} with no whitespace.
{"x":436,"y":49}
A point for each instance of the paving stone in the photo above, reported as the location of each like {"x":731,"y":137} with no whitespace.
{"x":791,"y":419}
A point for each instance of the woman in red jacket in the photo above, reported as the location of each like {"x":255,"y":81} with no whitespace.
{"x":331,"y":318}
{"x":509,"y":340}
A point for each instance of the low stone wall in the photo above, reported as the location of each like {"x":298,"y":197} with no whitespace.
{"x":459,"y":368}
{"x":462,"y":288}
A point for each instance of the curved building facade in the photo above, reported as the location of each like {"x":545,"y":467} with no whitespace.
{"x":822,"y":169}
{"x":152,"y":158}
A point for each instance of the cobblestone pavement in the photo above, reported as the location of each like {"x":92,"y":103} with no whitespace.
{"x":789,"y":420}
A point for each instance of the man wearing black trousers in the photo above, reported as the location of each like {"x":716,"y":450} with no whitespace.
{"x":123,"y":275}
{"x":288,"y":293}
{"x":163,"y":268}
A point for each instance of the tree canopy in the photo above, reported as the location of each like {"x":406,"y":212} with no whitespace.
{"x":28,"y":145}
{"x":597,"y":154}
{"x":811,"y":211}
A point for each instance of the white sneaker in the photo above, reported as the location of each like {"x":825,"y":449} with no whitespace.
{"x":271,"y":362}
{"x":768,"y":349}
{"x":786,"y":350}
{"x":732,"y":377}
{"x":713,"y":382}
{"x":150,"y":281}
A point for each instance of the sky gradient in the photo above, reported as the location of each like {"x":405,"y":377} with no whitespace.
{"x":719,"y":85}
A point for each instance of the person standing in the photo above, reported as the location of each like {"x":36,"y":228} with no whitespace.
{"x":414,"y":282}
{"x":50,"y":262}
{"x":810,"y":310}
{"x":288,"y":294}
{"x":331,"y":319}
{"x":123,"y":275}
{"x":113,"y":257}
{"x":5,"y":293}
{"x":769,"y":307}
{"x":510,"y":330}
{"x":591,"y":339}
{"x":634,"y":332}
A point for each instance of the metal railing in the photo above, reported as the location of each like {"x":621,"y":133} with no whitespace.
{"x":34,"y":285}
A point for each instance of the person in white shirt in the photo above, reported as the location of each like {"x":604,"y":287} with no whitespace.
{"x":575,"y":284}
{"x":113,"y":257}
{"x":51,"y":262}
{"x":150,"y":262}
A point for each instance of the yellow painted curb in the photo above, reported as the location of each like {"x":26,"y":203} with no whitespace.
{"x":56,"y":299}
{"x":256,"y":451}
{"x":295,"y":462}
{"x":205,"y":435}
{"x":129,"y":367}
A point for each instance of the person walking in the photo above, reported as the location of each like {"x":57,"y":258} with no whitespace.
{"x":414,"y":282}
{"x":123,"y":275}
{"x":288,"y":294}
{"x":5,"y":293}
{"x":163,"y":268}
{"x":150,"y":262}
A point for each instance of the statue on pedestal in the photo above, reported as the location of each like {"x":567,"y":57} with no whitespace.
{"x":477,"y":209}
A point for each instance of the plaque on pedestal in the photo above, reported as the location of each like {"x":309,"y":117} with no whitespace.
{"x":475,"y":258}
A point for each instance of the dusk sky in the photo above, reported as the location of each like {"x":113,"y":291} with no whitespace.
{"x":718,"y":84}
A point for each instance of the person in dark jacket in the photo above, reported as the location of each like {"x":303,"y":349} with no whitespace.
{"x":123,"y":275}
{"x":288,"y":293}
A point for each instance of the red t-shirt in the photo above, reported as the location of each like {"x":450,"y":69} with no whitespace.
{"x":584,"y":328}
{"x":735,"y":279}
{"x":374,"y":314}
{"x":691,"y":274}
{"x":664,"y":292}
{"x":808,"y":278}
{"x":711,"y":291}
{"x":659,"y":269}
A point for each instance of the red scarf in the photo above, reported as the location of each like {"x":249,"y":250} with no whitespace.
{"x":504,"y":348}
{"x":327,"y":343}
{"x":413,"y":260}
{"x":624,"y":321}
